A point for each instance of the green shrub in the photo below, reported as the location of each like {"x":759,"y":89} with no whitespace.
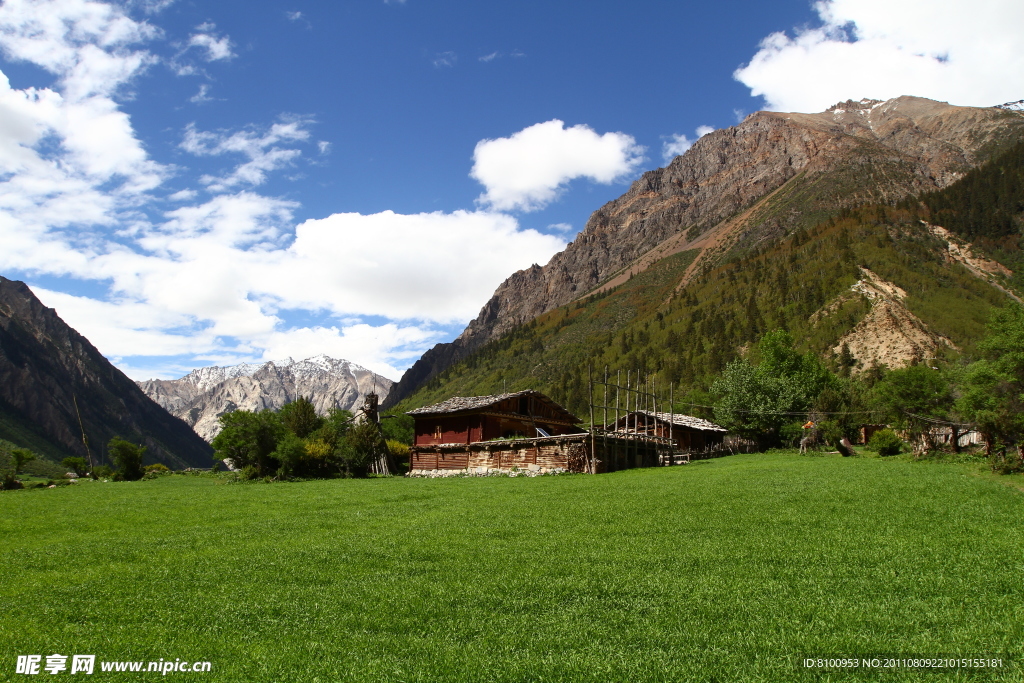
{"x":102,"y":472}
{"x":157,"y":468}
{"x":9,"y":482}
{"x":128,"y":458}
{"x":885,"y":442}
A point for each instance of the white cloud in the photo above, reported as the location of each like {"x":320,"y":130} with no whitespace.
{"x":561,"y":227}
{"x":489,"y":58}
{"x":183,"y":196}
{"x":428,"y":266}
{"x":965,"y":53}
{"x":203,"y":95}
{"x":293,"y":16}
{"x":704,"y":130}
{"x":375,"y":347}
{"x":529,"y":169}
{"x":216,"y":48}
{"x":260,"y":147}
{"x":323,"y":146}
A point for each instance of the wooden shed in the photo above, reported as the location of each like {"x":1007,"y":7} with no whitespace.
{"x":689,"y":434}
{"x":465,"y":420}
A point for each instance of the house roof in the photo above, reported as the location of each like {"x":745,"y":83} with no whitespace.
{"x":458,"y":404}
{"x":684,"y":421}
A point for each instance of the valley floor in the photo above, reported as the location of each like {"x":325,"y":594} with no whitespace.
{"x":730,"y":570}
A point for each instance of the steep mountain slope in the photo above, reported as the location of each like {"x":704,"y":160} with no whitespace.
{"x":46,"y":367}
{"x":203,"y":395}
{"x":739,"y":188}
{"x":875,"y":285}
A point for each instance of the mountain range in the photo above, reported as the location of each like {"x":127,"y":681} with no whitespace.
{"x":203,"y":395}
{"x":758,"y":206}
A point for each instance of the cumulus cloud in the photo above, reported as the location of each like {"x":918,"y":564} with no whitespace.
{"x":529,"y":169}
{"x":206,"y":40}
{"x":964,"y":53}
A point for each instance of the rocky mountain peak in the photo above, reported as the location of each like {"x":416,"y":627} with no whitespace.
{"x":204,"y":394}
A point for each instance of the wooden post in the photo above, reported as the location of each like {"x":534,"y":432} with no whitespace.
{"x":618,"y":439}
{"x":604,"y":426}
{"x":593,"y":455}
{"x":671,"y":423}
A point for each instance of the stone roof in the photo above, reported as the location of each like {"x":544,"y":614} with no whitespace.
{"x":457,"y":404}
{"x":684,"y":421}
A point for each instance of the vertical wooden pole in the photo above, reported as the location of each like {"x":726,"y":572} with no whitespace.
{"x":593,"y":455}
{"x":671,"y":423}
{"x":618,"y":439}
{"x":654,"y":403}
{"x":604,"y":425}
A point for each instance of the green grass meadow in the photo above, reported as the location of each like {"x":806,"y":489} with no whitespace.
{"x":723,"y":570}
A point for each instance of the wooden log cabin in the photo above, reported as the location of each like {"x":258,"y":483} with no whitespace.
{"x":464,"y":420}
{"x":521,"y":431}
{"x":689,"y":434}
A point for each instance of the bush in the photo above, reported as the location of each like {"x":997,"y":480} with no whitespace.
{"x":102,"y":472}
{"x":8,"y":482}
{"x":885,"y":442}
{"x":157,"y":468}
{"x":128,"y":458}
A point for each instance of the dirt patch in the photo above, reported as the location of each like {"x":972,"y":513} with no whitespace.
{"x":889,"y":334}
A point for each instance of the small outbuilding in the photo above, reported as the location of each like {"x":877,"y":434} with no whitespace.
{"x":469,"y":419}
{"x":689,"y":434}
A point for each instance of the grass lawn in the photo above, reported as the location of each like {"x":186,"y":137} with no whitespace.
{"x":724,"y":570}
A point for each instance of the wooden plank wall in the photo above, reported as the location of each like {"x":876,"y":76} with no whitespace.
{"x":573,"y":454}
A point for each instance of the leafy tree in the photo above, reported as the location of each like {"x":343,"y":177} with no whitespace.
{"x":20,"y":457}
{"x":992,"y":394}
{"x":398,"y":427}
{"x":754,"y":399}
{"x":300,"y":417}
{"x":78,"y":465}
{"x":249,"y":439}
{"x":910,"y":397}
{"x":128,"y":458}
{"x":361,"y":447}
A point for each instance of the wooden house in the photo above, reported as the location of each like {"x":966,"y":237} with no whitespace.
{"x":465,"y":420}
{"x":688,"y":433}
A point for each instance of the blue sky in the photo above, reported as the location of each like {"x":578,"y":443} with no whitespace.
{"x":207,"y":183}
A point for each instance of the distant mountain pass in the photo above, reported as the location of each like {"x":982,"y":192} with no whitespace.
{"x":203,"y":395}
